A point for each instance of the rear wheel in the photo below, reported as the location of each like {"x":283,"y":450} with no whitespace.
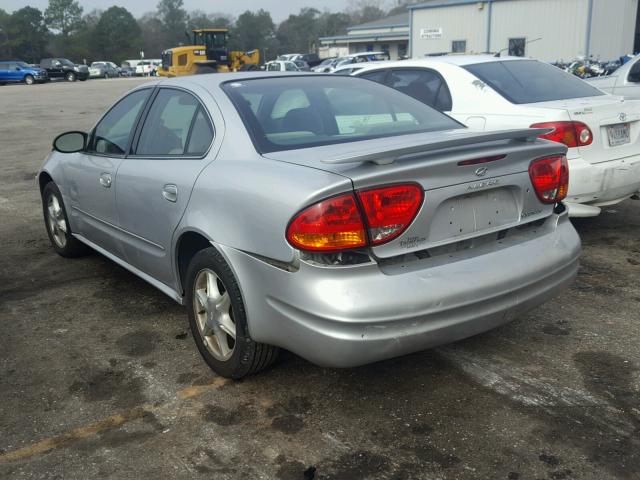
{"x":70,"y":77}
{"x":29,"y":80}
{"x":57,"y":223}
{"x":218,"y":319}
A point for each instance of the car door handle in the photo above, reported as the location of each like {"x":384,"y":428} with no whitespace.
{"x":105,"y":180}
{"x":170,"y":192}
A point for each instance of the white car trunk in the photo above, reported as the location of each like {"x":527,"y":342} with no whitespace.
{"x":614,"y":122}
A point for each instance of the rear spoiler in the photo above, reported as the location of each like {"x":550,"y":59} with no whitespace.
{"x":395,"y":150}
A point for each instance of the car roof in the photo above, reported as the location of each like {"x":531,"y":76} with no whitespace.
{"x":458,"y":60}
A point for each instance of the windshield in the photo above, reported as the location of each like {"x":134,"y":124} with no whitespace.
{"x":299,"y":112}
{"x":97,"y":64}
{"x":64,"y":61}
{"x":530,"y":81}
{"x":22,"y":65}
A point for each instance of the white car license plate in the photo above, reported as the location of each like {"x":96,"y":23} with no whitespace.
{"x":619,"y":134}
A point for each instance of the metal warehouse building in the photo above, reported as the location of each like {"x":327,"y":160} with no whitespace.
{"x":549,"y":30}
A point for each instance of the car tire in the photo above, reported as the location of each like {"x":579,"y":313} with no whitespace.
{"x":70,"y":77}
{"x":217,"y":313}
{"x":29,"y":80}
{"x":57,"y":224}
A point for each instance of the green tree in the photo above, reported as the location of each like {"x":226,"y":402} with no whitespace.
{"x":174,"y":19}
{"x":200,"y":19}
{"x":5,"y":21}
{"x":254,"y":30}
{"x":117,"y":35}
{"x":63,"y":16}
{"x":154,"y":36}
{"x":298,"y":33}
{"x":27,"y":35}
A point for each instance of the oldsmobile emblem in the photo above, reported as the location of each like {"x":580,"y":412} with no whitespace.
{"x":623,"y":117}
{"x":481,"y":172}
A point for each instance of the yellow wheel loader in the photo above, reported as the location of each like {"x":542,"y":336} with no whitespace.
{"x":208,"y":53}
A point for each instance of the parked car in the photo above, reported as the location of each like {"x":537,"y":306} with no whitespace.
{"x":302,"y":65}
{"x":64,"y":68}
{"x":281,"y":66}
{"x":16,"y":71}
{"x":489,"y":93}
{"x":103,"y":69}
{"x":359,"y":58}
{"x":324,"y":66}
{"x":127,"y":71}
{"x":625,"y":81}
{"x":147,"y":68}
{"x":348,"y":69}
{"x":327,"y":215}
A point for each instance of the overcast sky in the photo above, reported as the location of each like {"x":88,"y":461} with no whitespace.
{"x":279,"y":9}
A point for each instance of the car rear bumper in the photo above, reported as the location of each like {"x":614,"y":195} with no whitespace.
{"x":353,"y":315}
{"x":599,"y":184}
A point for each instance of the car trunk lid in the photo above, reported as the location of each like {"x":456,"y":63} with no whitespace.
{"x":475,"y":183}
{"x":613,"y":121}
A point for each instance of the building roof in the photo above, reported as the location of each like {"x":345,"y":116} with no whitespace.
{"x":370,"y":37}
{"x":445,"y":3}
{"x":399,"y":20}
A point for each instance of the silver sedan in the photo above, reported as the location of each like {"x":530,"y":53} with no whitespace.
{"x":327,"y":215}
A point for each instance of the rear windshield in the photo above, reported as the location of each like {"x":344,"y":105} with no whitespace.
{"x":287,"y":113}
{"x":530,"y":81}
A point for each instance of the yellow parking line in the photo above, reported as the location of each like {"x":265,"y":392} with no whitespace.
{"x":108,"y":423}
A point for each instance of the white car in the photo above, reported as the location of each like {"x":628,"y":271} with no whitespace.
{"x":362,"y":57}
{"x":281,"y":66}
{"x":624,"y":81}
{"x":602,"y":131}
{"x":147,"y":68}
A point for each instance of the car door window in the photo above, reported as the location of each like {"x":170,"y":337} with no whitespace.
{"x":111,"y":136}
{"x":168,"y":124}
{"x":375,"y":76}
{"x":423,"y":85}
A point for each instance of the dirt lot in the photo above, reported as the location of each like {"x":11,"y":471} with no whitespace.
{"x":99,"y":376}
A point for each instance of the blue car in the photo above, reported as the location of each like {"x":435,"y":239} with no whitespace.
{"x":15,"y":71}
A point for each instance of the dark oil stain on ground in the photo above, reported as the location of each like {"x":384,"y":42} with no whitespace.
{"x":224,"y":417}
{"x":138,"y":344}
{"x":123,"y":389}
{"x":288,"y":416}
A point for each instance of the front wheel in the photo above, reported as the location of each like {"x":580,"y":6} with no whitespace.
{"x":29,"y":80}
{"x":218,"y":319}
{"x":70,"y":77}
{"x":57,"y":223}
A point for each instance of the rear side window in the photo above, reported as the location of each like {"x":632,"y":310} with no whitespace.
{"x":376,"y":76}
{"x":175,"y":125}
{"x":112,"y":134}
{"x":300,"y":112}
{"x":530,"y":81}
{"x":423,"y":85}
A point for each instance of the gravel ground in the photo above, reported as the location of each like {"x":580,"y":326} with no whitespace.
{"x":99,"y":376}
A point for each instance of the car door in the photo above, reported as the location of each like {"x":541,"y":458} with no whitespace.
{"x":91,"y":174}
{"x":155,"y":181}
{"x":5,"y":75}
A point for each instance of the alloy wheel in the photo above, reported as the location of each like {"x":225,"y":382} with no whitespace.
{"x":57,"y":222}
{"x":214,"y":314}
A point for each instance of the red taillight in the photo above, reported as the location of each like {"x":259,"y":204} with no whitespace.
{"x":550,"y":178}
{"x":333,"y":224}
{"x":571,"y":134}
{"x":389,"y":210}
{"x":338,"y":223}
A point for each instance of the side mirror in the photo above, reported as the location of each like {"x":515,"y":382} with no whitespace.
{"x":70,"y":142}
{"x":18,"y":68}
